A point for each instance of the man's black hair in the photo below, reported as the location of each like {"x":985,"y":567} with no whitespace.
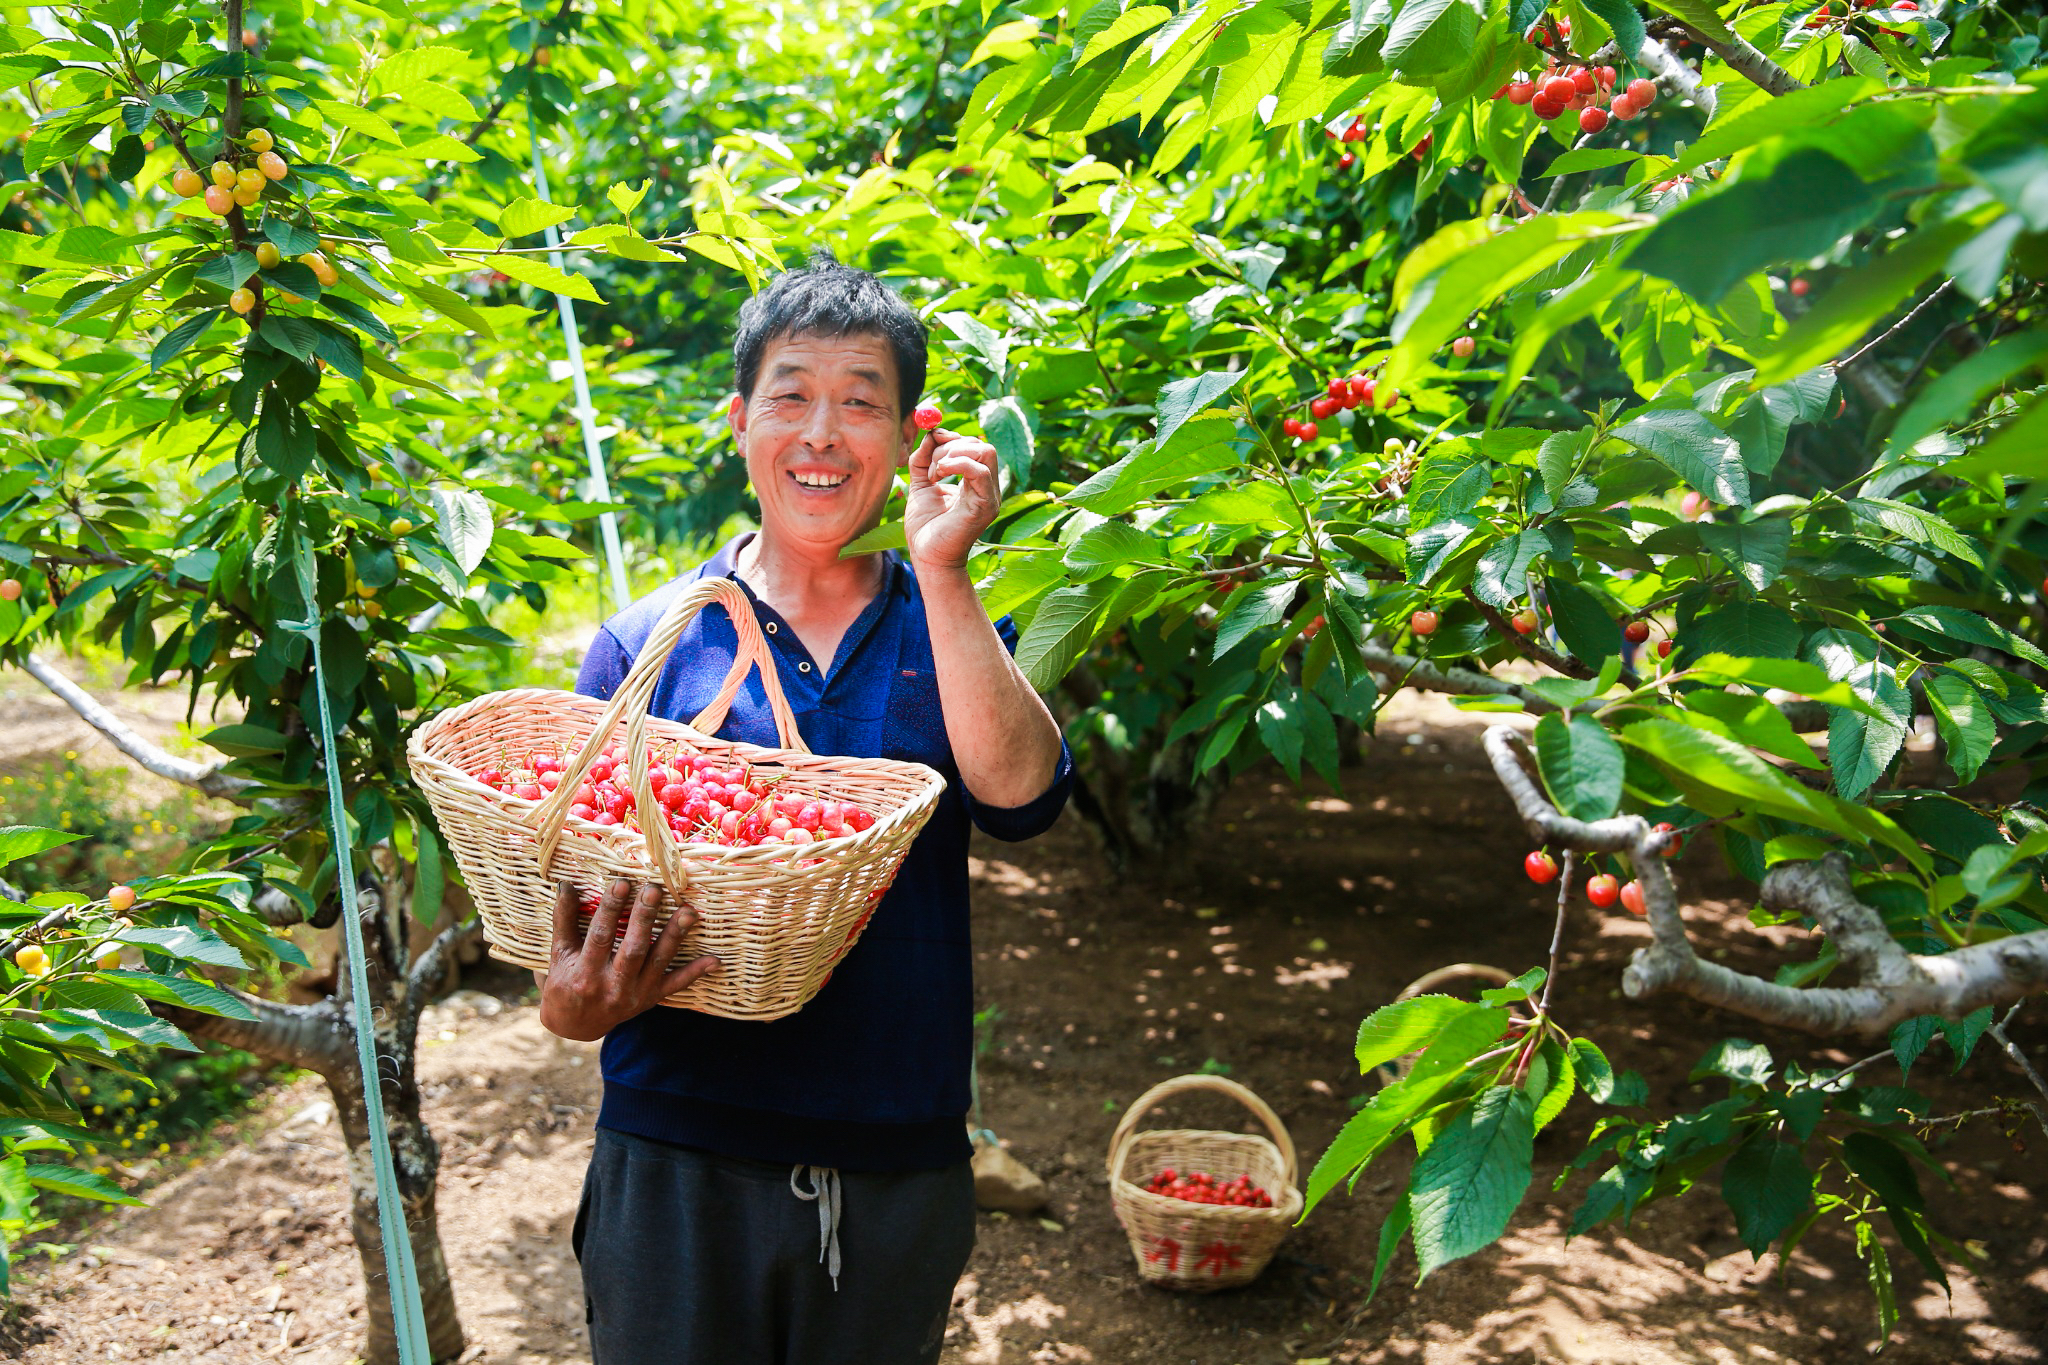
{"x":828,"y":299}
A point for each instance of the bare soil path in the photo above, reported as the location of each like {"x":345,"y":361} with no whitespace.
{"x":1262,"y":949}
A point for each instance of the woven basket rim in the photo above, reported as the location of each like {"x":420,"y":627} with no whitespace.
{"x":634,"y":843}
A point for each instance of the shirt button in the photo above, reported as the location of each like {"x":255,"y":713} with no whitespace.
{"x":803,"y":668}
{"x":770,"y":627}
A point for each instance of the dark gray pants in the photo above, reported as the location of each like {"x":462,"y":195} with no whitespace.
{"x":691,"y":1258}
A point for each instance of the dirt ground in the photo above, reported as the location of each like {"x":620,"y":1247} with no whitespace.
{"x":1261,"y":950}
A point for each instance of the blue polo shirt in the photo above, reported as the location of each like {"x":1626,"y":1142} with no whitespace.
{"x":873,"y":1072}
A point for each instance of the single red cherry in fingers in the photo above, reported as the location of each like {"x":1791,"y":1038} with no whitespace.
{"x":1541,"y":867}
{"x":1602,"y":890}
{"x":1642,"y":93}
{"x":1423,"y":622}
{"x":1592,"y":120}
{"x":927,"y":417}
{"x":1635,"y":632}
{"x":1462,"y":347}
{"x":1524,"y":622}
{"x":1632,"y":899}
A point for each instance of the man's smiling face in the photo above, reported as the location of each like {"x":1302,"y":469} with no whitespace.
{"x":822,"y":437}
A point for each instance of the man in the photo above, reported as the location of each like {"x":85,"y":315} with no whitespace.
{"x":797,"y":1192}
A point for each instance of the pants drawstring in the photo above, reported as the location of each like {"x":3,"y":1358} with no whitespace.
{"x":824,"y":1192}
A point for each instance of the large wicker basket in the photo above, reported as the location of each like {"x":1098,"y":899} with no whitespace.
{"x":778,"y":916}
{"x":1201,"y":1247}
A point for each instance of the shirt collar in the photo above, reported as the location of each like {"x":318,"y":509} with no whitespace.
{"x":725,"y":564}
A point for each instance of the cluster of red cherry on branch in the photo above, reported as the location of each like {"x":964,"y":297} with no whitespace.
{"x":1603,"y":889}
{"x":1588,"y":91}
{"x":1199,"y":1187}
{"x":704,"y":800}
{"x":1339,"y":394}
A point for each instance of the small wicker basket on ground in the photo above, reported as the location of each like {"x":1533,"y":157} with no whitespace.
{"x":778,"y":916}
{"x":1201,"y":1247}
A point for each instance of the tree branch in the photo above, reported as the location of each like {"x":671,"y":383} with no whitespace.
{"x":1674,"y":78}
{"x":315,"y":1037}
{"x":210,"y":780}
{"x":426,"y":970}
{"x":1897,"y":985}
{"x":1742,"y":58}
{"x":1463,"y":682}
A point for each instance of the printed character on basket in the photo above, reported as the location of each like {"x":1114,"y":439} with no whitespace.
{"x":797,"y":1189}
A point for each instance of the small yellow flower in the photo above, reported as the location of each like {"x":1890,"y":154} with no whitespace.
{"x":99,"y":1109}
{"x":103,"y":1170}
{"x":154,"y":1101}
{"x":127,"y":1142}
{"x":162,"y":1147}
{"x":138,"y":829}
{"x":70,"y":755}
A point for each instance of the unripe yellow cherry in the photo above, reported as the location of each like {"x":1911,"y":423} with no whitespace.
{"x":33,"y":960}
{"x":223,"y":174}
{"x":268,"y":256}
{"x":249,"y":178}
{"x":109,"y":958}
{"x":365,"y":591}
{"x":401,"y":526}
{"x":187,"y":182}
{"x":323,"y":270}
{"x":242,"y":300}
{"x":289,"y":297}
{"x":258,"y":140}
{"x":218,"y":200}
{"x":247,"y":195}
{"x":373,"y":609}
{"x":272,"y":165}
{"x":119,"y":898}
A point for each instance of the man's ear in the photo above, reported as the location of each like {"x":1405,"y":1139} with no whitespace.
{"x":736,"y":419}
{"x":912,"y":438}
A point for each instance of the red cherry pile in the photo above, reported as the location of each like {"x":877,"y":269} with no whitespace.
{"x":705,"y":800}
{"x":1199,"y":1187}
{"x":1587,"y":91}
{"x":1338,"y":395}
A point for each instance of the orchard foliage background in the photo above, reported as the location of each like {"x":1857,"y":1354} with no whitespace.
{"x":1754,"y":370}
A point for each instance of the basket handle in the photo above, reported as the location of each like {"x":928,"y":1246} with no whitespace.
{"x":1127,"y":1129}
{"x":635,"y":694}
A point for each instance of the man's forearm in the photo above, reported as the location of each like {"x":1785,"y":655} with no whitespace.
{"x":1004,"y":740}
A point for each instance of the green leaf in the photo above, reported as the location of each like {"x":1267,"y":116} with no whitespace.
{"x":1501,"y":577}
{"x":1468,"y":1184}
{"x":1407,"y":1026}
{"x":1448,"y":484}
{"x":1911,"y":1037}
{"x":245,"y":741}
{"x":184,"y":943}
{"x":1696,"y":450}
{"x":1393,"y":1108}
{"x":78,"y":1184}
{"x":1060,"y":632}
{"x":1622,"y":21}
{"x":1831,"y":328}
{"x":25,"y":841}
{"x":1952,"y":395}
{"x":1399,"y":1220}
{"x":1183,"y":398}
{"x":523,"y":217}
{"x":1788,"y":675}
{"x":1581,"y":766}
{"x":1767,"y":1185}
{"x":175,"y":341}
{"x":1252,"y":607}
{"x":463,"y":520}
{"x":1582,"y":622}
{"x":1756,"y":550}
{"x":1967,"y":729}
{"x":1750,"y":720}
{"x":1967,"y":627}
{"x":1916,"y":525}
{"x":625,"y":198}
{"x":182,"y":990}
{"x":1802,"y":207}
{"x":1111,"y":545}
{"x":541,"y":275}
{"x":1008,"y":428}
{"x":1745,"y":627}
{"x":1735,"y":1059}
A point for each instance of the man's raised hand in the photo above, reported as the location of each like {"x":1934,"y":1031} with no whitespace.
{"x":591,"y":988}
{"x":941,"y":521}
